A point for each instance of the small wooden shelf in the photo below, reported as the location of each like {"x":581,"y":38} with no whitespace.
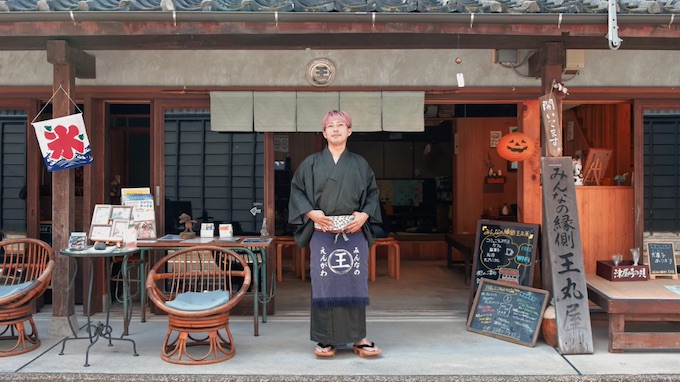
{"x":494,"y":179}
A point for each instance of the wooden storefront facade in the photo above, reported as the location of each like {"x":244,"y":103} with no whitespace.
{"x":603,"y":116}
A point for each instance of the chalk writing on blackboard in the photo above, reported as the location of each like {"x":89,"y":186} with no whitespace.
{"x":508,"y":312}
{"x":661,"y":259}
{"x":504,"y":251}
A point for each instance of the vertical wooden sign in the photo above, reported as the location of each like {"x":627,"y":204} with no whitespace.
{"x":562,"y":236}
{"x":552,"y":128}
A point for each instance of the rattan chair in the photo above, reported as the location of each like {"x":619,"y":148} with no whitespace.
{"x":26,"y":267}
{"x":197,"y":287}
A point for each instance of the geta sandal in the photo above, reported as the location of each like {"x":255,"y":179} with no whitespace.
{"x":324,"y":350}
{"x":364,"y":352}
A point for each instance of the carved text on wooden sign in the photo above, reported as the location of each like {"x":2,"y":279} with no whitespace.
{"x":552,"y":128}
{"x":562,"y":232}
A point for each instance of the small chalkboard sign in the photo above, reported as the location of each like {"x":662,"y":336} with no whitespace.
{"x":504,"y":251}
{"x":509,"y":312}
{"x":661,"y":259}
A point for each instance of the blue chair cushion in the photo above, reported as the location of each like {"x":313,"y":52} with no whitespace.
{"x":199,"y":301}
{"x":8,"y":290}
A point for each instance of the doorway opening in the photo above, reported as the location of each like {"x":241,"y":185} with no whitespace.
{"x":427,"y":189}
{"x":129,"y":147}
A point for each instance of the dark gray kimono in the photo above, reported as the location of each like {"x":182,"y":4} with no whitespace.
{"x":337,"y":189}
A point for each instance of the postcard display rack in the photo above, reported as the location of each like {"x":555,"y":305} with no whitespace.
{"x":111,"y":223}
{"x":143,"y":213}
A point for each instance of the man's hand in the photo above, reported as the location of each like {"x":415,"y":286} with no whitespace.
{"x":356,"y":223}
{"x":321,"y":219}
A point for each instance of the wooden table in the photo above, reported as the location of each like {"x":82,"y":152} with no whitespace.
{"x":465,"y":243}
{"x":643,"y":301}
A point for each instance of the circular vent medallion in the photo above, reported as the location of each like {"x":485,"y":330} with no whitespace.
{"x":321,"y":72}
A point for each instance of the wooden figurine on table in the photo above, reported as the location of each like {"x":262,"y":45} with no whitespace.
{"x":188,"y":227}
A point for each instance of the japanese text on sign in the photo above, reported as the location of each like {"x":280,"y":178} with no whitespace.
{"x":563,"y":246}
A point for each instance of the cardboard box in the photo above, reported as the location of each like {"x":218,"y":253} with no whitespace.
{"x":625,"y":271}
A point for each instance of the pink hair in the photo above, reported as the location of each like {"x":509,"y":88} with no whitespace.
{"x":335,"y":114}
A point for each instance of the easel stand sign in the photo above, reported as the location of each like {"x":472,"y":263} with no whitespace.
{"x":508,"y":312}
{"x":662,"y":260}
{"x":596,"y":164}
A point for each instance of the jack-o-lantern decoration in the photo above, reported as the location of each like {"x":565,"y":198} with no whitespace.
{"x":515,"y":147}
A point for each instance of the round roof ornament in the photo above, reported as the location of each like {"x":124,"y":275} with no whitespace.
{"x":321,"y":72}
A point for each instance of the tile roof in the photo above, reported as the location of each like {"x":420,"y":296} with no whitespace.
{"x":384,"y":6}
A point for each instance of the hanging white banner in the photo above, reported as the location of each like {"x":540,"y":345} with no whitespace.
{"x":63,"y":142}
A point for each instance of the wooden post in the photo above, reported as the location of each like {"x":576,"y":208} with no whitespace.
{"x":66,"y":62}
{"x":529,"y":171}
{"x":554,"y":55}
{"x":33,"y":173}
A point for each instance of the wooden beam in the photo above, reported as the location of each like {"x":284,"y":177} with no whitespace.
{"x":191,"y":35}
{"x":60,"y":53}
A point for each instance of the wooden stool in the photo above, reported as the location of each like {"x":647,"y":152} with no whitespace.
{"x":393,"y":257}
{"x":298,"y":257}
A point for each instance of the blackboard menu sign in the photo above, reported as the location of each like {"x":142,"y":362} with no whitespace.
{"x":661,"y":259}
{"x":509,"y":312}
{"x":504,"y":251}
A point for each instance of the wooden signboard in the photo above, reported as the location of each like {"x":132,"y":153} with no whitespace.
{"x":661,"y":260}
{"x":504,"y":251}
{"x":552,"y":128}
{"x":509,"y":312}
{"x":562,"y":244}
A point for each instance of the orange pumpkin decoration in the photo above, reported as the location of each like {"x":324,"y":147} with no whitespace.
{"x":515,"y":147}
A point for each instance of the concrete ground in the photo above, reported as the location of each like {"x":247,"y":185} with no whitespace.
{"x":422,"y":344}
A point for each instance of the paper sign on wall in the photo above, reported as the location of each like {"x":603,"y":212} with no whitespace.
{"x":63,"y":142}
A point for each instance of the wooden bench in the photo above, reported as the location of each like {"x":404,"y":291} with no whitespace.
{"x":636,"y":301}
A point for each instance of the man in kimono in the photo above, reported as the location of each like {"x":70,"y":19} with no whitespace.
{"x":334,"y":198}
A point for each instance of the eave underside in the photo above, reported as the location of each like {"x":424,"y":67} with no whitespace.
{"x":185,"y":35}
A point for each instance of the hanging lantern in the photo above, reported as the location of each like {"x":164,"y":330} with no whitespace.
{"x":515,"y":147}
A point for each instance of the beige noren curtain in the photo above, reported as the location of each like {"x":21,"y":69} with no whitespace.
{"x":364,"y":108}
{"x":403,"y":111}
{"x":312,"y":107}
{"x":275,"y":111}
{"x":231,"y":111}
{"x":289,"y":111}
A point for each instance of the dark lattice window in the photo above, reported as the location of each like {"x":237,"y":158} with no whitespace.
{"x":221,"y":174}
{"x":662,"y":173}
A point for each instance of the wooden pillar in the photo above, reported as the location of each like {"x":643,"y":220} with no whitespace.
{"x":63,"y":199}
{"x":553,"y":64}
{"x":529,"y":197}
{"x":33,"y":172}
{"x":529,"y":171}
{"x":269,"y":182}
{"x":269,"y":210}
{"x":549,"y":64}
{"x":93,"y":193}
{"x":67,"y":62}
